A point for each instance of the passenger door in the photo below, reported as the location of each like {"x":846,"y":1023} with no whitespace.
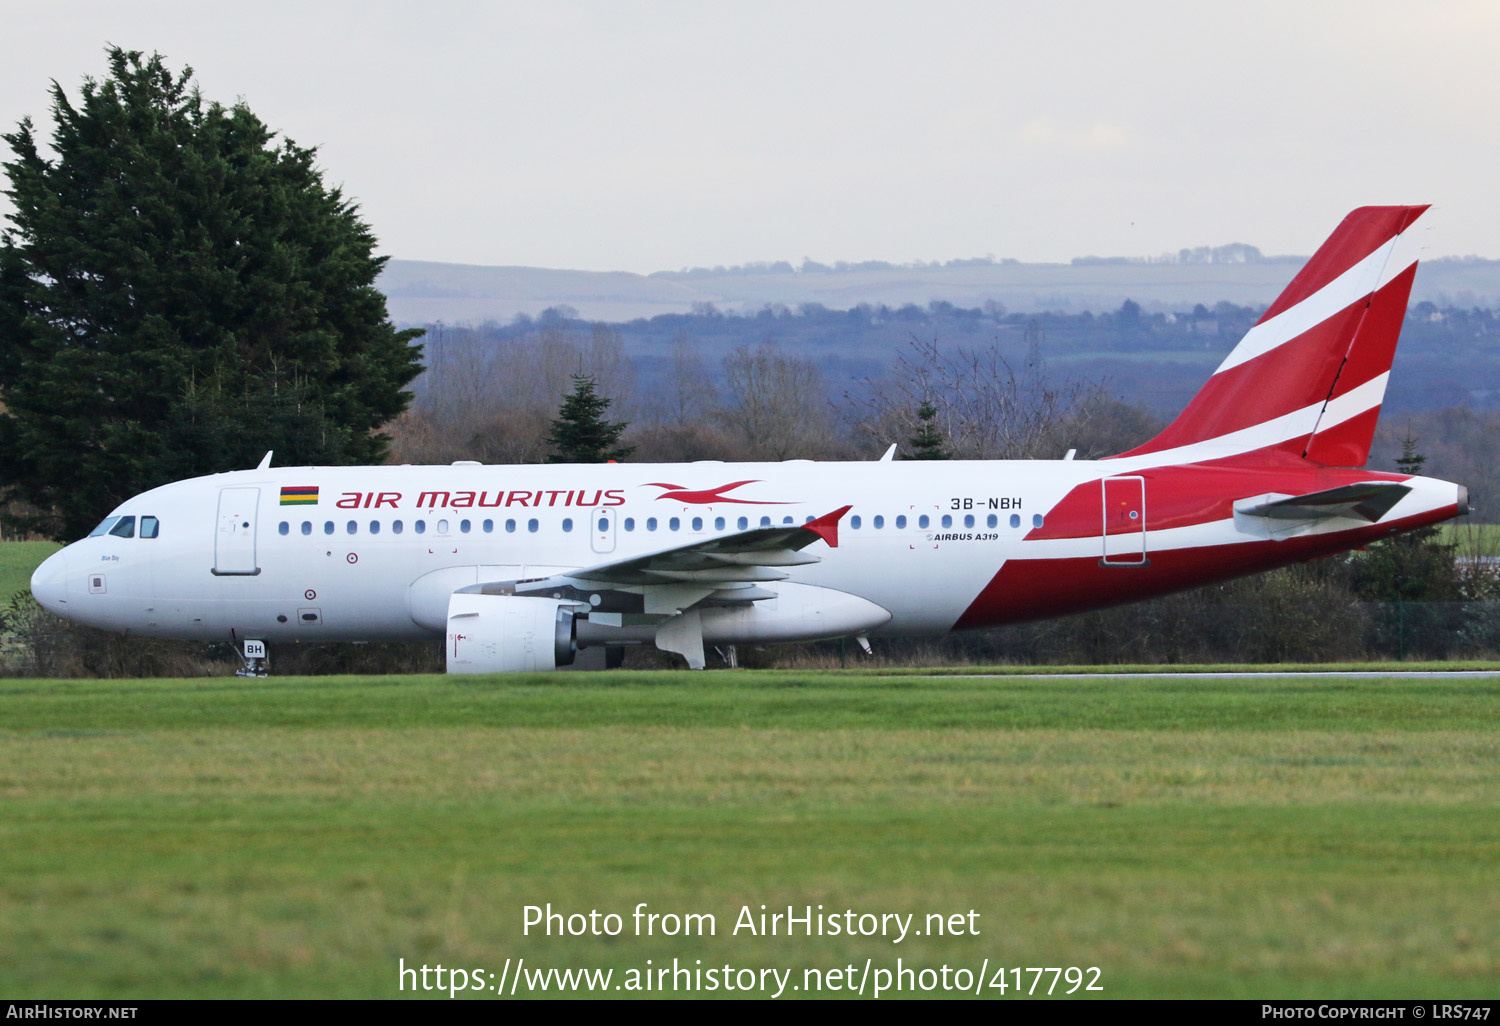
{"x":234,"y":542}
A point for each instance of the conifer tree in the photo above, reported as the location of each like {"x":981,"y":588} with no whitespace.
{"x":1415,"y":565}
{"x":580,"y":434}
{"x":179,"y":292}
{"x":927,"y":443}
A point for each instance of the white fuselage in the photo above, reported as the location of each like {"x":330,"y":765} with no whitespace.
{"x":375,"y":553}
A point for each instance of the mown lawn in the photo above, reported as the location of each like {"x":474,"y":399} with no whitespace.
{"x":299,"y":837}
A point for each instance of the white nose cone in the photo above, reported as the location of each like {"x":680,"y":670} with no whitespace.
{"x":50,"y":583}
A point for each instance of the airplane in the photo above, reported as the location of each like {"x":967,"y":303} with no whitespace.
{"x":526,"y":568}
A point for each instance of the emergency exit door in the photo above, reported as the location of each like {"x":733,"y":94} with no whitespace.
{"x":602,"y":529}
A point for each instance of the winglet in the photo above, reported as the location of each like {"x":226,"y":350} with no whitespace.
{"x":827,"y":526}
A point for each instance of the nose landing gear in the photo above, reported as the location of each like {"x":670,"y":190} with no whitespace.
{"x":255,"y":660}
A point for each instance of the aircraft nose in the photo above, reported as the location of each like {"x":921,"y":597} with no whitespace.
{"x":49,"y":583}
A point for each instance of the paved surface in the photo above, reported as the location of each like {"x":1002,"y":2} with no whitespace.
{"x":1249,"y":673}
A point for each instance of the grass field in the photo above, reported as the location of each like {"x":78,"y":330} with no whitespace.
{"x":17,"y":561}
{"x":297,"y":837}
{"x":1472,"y":539}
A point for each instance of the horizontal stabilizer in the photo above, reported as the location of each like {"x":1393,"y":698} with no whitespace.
{"x":1368,"y":501}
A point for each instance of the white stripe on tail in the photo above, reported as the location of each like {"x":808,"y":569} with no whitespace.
{"x":1307,"y":381}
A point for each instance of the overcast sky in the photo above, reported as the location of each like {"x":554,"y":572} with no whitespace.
{"x":649,"y":136}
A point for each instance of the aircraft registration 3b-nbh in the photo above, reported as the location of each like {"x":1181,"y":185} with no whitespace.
{"x":543,"y":567}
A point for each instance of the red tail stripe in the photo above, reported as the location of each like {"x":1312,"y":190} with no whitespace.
{"x":1361,"y":233}
{"x":1240,"y":398}
{"x":1343,"y":352}
{"x":1346,"y":444}
{"x":1371,"y":353}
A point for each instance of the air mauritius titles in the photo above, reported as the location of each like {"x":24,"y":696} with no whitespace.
{"x":484,"y":500}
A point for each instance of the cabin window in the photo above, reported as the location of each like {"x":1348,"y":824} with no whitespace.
{"x":603,"y":525}
{"x":103,"y":528}
{"x":630,"y":523}
{"x":878,"y":522}
{"x":420,"y":526}
{"x":442,"y":527}
{"x":489,"y":527}
{"x":281,"y":528}
{"x":923,"y":521}
{"x":697,"y":523}
{"x":351,"y":527}
{"x":1036,"y":520}
{"x":968,"y":520}
{"x":947,"y":520}
{"x":328,"y":527}
{"x":992,"y":521}
{"x":567,"y":524}
{"x":532,"y":525}
{"x":901,"y":522}
{"x":787,"y":520}
{"x":463,"y":527}
{"x":397,"y":527}
{"x":854,"y":522}
{"x":510,"y":527}
{"x":765,"y":521}
{"x":650,"y":523}
{"x":124,"y":529}
{"x":674,"y":524}
{"x":307,"y":527}
{"x":718,"y":523}
{"x":374,"y":526}
{"x":743,"y":523}
{"x":149,"y":527}
{"x":1015,"y":520}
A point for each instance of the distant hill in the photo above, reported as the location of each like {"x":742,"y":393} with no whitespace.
{"x":420,"y":292}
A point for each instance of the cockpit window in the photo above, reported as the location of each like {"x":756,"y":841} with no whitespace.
{"x":124,"y":529}
{"x":149,"y":527}
{"x":104,"y":527}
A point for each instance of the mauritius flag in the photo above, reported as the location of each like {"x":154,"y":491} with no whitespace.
{"x":299,"y":495}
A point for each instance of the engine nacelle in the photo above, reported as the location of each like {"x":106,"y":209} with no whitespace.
{"x":508,"y":633}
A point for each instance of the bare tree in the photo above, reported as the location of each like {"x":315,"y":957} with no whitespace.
{"x":491,"y":399}
{"x":776,"y":404}
{"x":986,"y":408}
{"x":686,"y":395}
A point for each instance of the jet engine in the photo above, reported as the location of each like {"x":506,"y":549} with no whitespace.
{"x":509,"y":633}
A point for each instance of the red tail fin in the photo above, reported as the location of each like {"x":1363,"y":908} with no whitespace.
{"x":1308,"y":379}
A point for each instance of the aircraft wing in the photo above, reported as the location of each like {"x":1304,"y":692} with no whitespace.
{"x":744,"y":557}
{"x":1369,"y":501}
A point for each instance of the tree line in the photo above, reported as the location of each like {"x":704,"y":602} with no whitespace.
{"x":498,"y":401}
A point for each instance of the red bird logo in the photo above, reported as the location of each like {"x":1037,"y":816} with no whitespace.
{"x":708,"y":496}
